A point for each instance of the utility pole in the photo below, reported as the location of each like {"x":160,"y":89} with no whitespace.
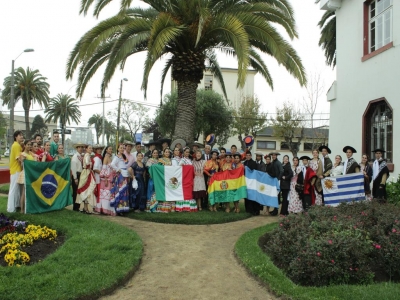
{"x":104,"y":117}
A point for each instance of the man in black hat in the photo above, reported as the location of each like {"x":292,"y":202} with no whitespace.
{"x":380,"y":175}
{"x":307,"y":178}
{"x":152,"y":145}
{"x":326,"y":165}
{"x":350,"y":165}
{"x":260,"y":164}
{"x":251,"y":206}
{"x":277,"y":172}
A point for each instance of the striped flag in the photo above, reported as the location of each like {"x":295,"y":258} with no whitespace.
{"x":262,"y":188}
{"x":344,"y":188}
{"x":227,"y":186}
{"x":172,"y":183}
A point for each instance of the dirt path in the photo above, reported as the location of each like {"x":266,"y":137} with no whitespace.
{"x":191,"y":262}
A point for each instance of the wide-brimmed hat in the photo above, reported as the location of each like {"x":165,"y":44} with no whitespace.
{"x":214,"y":151}
{"x":274,"y":152}
{"x":259,"y":153}
{"x":349,"y":148}
{"x":379,"y":150}
{"x":126,"y":143}
{"x":80,"y":144}
{"x":196,"y":143}
{"x":210,"y":139}
{"x":305,"y":157}
{"x":150,"y":142}
{"x":228,"y":153}
{"x":324,"y":147}
{"x":249,"y":141}
{"x":178,"y":141}
{"x":97,"y":146}
{"x":164,"y":140}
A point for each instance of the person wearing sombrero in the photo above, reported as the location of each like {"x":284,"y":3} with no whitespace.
{"x":210,"y":167}
{"x":164,"y":142}
{"x":194,"y":147}
{"x":326,"y":161}
{"x":305,"y":183}
{"x":380,"y":174}
{"x":260,"y":164}
{"x":151,"y":146}
{"x":350,"y":165}
{"x":178,"y":143}
{"x":97,"y":167}
{"x":76,"y":170}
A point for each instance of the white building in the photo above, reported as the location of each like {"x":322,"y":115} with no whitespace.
{"x":82,"y":134}
{"x":365,"y":95}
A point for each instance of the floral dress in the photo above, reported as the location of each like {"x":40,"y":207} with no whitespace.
{"x":295,"y":202}
{"x":119,"y":190}
{"x":314,"y":165}
{"x":106,"y":177}
{"x":199,"y":185}
{"x":186,"y":205}
{"x":165,"y":206}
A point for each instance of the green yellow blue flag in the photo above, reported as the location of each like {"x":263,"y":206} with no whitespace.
{"x":47,"y":185}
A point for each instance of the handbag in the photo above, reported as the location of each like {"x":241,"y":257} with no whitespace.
{"x":299,"y":188}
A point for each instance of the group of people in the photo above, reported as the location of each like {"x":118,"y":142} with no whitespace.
{"x":114,"y":184}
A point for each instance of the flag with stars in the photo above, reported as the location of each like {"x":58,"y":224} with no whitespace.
{"x":47,"y":185}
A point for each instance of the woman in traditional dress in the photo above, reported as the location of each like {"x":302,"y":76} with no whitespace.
{"x":337,"y":168}
{"x":176,"y":157}
{"x":139,"y":194}
{"x":285,"y":183}
{"x":295,"y":203}
{"x":46,"y":154}
{"x":106,"y":179}
{"x":25,"y":155}
{"x":227,"y":165}
{"x":210,"y":167}
{"x":350,"y":165}
{"x":199,"y":185}
{"x":97,"y":167}
{"x":237,"y":164}
{"x":316,"y":164}
{"x":87,"y":183}
{"x":166,"y":206}
{"x":60,"y":153}
{"x":367,"y":171}
{"x":151,"y":204}
{"x":120,"y":191}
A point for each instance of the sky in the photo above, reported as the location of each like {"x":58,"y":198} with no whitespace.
{"x":53,"y":27}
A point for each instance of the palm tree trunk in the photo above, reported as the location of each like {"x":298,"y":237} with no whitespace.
{"x":186,"y":108}
{"x":27,"y":133}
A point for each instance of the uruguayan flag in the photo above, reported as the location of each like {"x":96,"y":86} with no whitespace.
{"x":344,"y":188}
{"x":262,"y":188}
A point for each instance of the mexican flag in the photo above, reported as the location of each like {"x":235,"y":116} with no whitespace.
{"x":47,"y":185}
{"x":172,"y":183}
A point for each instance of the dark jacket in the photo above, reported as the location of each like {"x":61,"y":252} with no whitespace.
{"x":262,"y":167}
{"x":251,"y":164}
{"x":203,"y":156}
{"x":288,"y":174}
{"x":277,"y":170}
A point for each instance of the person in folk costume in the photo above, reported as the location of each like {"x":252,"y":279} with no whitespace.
{"x":268,"y":165}
{"x":195,"y":147}
{"x":276,"y":171}
{"x":222,"y":158}
{"x":307,"y":178}
{"x":164,"y":145}
{"x":285,"y":184}
{"x":337,"y":168}
{"x":97,"y":167}
{"x":350,"y":165}
{"x":296,"y":203}
{"x":237,"y":164}
{"x":76,"y":170}
{"x":151,"y":204}
{"x":316,"y":164}
{"x":166,"y":206}
{"x":199,"y":186}
{"x":139,"y":195}
{"x":177,"y":156}
{"x":380,"y":175}
{"x":326,"y":165}
{"x":151,"y":145}
{"x":210,"y":167}
{"x":183,"y":205}
{"x":260,"y":164}
{"x":107,"y":175}
{"x":206,"y":156}
{"x":87,"y":183}
{"x":131,"y":158}
{"x":228,"y":162}
{"x":366,"y":169}
{"x":250,"y":205}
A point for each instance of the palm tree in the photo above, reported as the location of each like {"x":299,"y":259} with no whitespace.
{"x":97,"y":121}
{"x":187,"y":34}
{"x":328,"y":36}
{"x":30,"y":87}
{"x":109,"y":130}
{"x":65,"y":109}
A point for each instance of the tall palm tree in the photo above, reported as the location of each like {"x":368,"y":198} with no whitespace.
{"x":30,"y":87}
{"x":187,"y":34}
{"x":63,"y":108}
{"x":97,"y":121}
{"x":328,"y":36}
{"x":109,"y":130}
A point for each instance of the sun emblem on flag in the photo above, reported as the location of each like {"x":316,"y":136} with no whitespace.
{"x":223,"y":185}
{"x":329,"y":184}
{"x":173,"y":183}
{"x":261,"y":188}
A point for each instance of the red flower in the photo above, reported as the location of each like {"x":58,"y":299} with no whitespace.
{"x":332,"y":261}
{"x":330,"y":242}
{"x":318,"y":254}
{"x":377,"y":246}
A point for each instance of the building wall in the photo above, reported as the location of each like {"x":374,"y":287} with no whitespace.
{"x":359,"y":82}
{"x":83,"y":135}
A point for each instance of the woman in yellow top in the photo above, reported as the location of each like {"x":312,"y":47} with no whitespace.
{"x":25,"y":155}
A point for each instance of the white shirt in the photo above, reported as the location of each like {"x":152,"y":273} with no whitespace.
{"x":76,"y":165}
{"x":345,"y":165}
{"x":98,"y":165}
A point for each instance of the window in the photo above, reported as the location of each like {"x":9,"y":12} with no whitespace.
{"x":284,"y":146}
{"x":380,"y":24}
{"x":208,"y":82}
{"x":379,"y":128}
{"x":312,"y":146}
{"x":266,"y":145}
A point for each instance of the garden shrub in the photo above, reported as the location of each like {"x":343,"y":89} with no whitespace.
{"x":350,"y":244}
{"x":393,"y":192}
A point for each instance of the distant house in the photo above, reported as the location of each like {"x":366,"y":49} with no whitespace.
{"x":365,"y":96}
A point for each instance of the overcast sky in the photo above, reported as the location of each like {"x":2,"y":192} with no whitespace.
{"x":52,"y":28}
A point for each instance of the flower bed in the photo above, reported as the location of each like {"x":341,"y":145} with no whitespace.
{"x":17,"y":236}
{"x":350,"y":244}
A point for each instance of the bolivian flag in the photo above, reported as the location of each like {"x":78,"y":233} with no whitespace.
{"x":47,"y":185}
{"x":227,"y":186}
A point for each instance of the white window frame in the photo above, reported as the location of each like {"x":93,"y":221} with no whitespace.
{"x":208,"y":82}
{"x":267,"y":148}
{"x":375,"y":19}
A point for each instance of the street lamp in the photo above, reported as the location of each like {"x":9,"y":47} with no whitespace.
{"x":119,"y":114}
{"x":12,"y":96}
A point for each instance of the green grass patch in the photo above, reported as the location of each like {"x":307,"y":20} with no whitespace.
{"x":260,"y":265}
{"x":203,"y":217}
{"x":4,"y":189}
{"x":97,"y":256}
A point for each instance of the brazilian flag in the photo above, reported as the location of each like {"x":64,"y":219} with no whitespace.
{"x":47,"y":185}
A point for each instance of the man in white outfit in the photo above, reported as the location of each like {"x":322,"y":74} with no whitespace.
{"x":76,"y":169}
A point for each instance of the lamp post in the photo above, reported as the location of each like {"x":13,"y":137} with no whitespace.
{"x":119,"y":114}
{"x":12,"y":96}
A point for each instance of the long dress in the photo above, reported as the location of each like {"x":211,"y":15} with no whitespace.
{"x":165,"y":206}
{"x":295,"y":203}
{"x":119,"y":190}
{"x":87,"y":183}
{"x":106,"y":177}
{"x":138,"y":197}
{"x":151,"y":203}
{"x":316,"y":165}
{"x":186,"y":205}
{"x":199,"y":185}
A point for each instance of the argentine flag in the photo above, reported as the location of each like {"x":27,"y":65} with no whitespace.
{"x":344,"y":188}
{"x":262,"y":188}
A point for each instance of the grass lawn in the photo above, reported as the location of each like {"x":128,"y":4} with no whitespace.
{"x":4,"y":188}
{"x":259,"y":264}
{"x":203,"y":217}
{"x":97,"y":257}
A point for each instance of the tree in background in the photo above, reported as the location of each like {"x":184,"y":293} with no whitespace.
{"x":39,"y":126}
{"x":133,"y":116}
{"x":30,"y":87}
{"x":65,"y":109}
{"x":212,"y":115}
{"x":109,"y":130}
{"x":3,"y":130}
{"x":97,"y":121}
{"x":248,"y":119}
{"x":289,"y":125}
{"x":328,"y":36}
{"x":151,"y":126}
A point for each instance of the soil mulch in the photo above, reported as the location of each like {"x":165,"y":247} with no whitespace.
{"x":39,"y":250}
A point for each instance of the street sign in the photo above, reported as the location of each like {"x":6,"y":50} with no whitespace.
{"x":66,"y":131}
